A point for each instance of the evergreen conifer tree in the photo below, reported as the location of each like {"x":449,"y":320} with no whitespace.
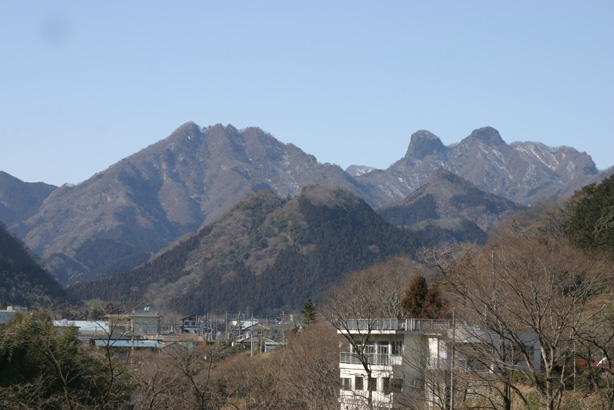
{"x":415,"y":297}
{"x":309,"y":312}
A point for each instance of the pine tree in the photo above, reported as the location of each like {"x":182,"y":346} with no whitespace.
{"x":309,"y":312}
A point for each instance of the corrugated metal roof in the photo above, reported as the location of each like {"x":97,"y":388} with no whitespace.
{"x":152,"y":344}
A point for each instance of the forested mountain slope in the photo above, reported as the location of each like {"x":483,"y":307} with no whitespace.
{"x":22,"y":280}
{"x":267,"y":253}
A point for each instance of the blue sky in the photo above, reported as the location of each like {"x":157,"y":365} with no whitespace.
{"x":84,"y":84}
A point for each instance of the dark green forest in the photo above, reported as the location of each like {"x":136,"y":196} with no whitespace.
{"x":591,"y":225}
{"x":21,"y":277}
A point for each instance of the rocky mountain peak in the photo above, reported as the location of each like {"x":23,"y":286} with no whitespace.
{"x":189,"y":128}
{"x":424,"y":143}
{"x":488,"y":135}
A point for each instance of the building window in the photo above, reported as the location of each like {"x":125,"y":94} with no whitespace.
{"x":386,"y":385}
{"x":397,"y":385}
{"x":397,"y":347}
{"x":358,"y":383}
{"x":346,"y":383}
{"x":372,"y":384}
{"x":383,"y":348}
{"x":369,"y":348}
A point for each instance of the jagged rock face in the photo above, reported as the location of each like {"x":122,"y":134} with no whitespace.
{"x":521,"y":172}
{"x":487,"y":135}
{"x":424,"y":144}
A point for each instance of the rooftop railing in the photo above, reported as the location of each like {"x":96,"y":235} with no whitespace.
{"x":381,"y":324}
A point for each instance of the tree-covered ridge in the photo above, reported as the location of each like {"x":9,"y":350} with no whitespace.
{"x":448,"y":210}
{"x":421,"y":209}
{"x":592,"y":221}
{"x":266,"y":253}
{"x":21,"y":278}
{"x":475,"y":197}
{"x":453,"y":231}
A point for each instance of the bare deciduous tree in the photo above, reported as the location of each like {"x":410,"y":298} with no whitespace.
{"x":528,"y":281}
{"x":309,"y":369}
{"x":188,"y":378}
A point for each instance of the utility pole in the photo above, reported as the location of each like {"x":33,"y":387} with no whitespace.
{"x":452,"y":361}
{"x":574,"y":364}
{"x":251,"y":345}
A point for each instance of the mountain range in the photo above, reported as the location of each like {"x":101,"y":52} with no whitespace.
{"x":120,"y":217}
{"x":523,"y":172}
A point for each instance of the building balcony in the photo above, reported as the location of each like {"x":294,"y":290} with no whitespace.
{"x":374,"y":359}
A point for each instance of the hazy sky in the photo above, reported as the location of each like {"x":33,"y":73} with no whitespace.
{"x":84,"y":84}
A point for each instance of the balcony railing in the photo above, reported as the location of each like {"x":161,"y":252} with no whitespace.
{"x":372,"y":358}
{"x":410,"y":325}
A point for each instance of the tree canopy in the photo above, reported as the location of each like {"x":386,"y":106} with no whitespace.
{"x":591,"y":224}
{"x":44,"y":367}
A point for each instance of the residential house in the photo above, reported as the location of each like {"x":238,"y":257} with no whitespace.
{"x":191,"y":324}
{"x":411,"y":361}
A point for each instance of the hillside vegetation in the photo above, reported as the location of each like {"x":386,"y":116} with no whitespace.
{"x":266,"y":253}
{"x":22,"y":280}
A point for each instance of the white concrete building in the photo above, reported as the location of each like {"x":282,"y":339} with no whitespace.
{"x":407,"y":363}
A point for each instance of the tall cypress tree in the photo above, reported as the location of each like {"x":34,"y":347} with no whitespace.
{"x":415,"y":296}
{"x":309,"y":312}
{"x":434,"y":307}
